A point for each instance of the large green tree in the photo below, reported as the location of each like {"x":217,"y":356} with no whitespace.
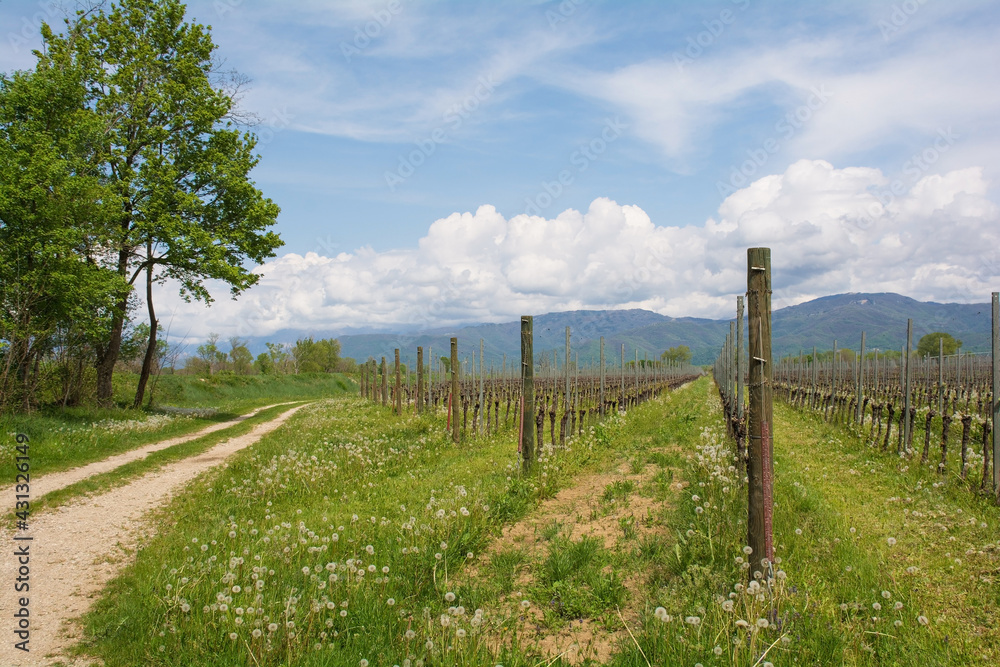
{"x":930,"y":345}
{"x":185,"y":208}
{"x":53,"y":219}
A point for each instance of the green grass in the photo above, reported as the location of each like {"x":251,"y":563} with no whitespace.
{"x":308,"y":501}
{"x":837,"y":504}
{"x":66,"y":438}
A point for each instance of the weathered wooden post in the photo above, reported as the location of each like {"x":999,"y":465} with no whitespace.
{"x":455,"y":398}
{"x":399,"y":394}
{"x":482,"y":387}
{"x":859,"y":416}
{"x":526,"y":437}
{"x":760,"y":461}
{"x":940,"y":386}
{"x":621,"y":405}
{"x":740,"y":363}
{"x":602,"y":376}
{"x":906,"y":385}
{"x":385,"y":383}
{"x":419,"y":400}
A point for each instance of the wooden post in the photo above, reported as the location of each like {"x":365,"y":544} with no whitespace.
{"x":419,"y":400}
{"x":527,"y":427}
{"x":996,"y":399}
{"x":621,"y":405}
{"x":740,"y":363}
{"x":482,"y":387}
{"x":906,"y":384}
{"x":940,"y":386}
{"x":455,"y":397}
{"x":602,"y":377}
{"x":385,"y":383}
{"x":760,"y":462}
{"x":859,"y":415}
{"x":399,"y":393}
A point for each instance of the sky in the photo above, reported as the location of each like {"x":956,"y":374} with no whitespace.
{"x":441,"y":162}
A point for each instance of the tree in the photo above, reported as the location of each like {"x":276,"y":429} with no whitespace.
{"x":185,"y":208}
{"x":279,"y":357}
{"x":681,"y":354}
{"x":263,"y":364}
{"x":239,"y":356}
{"x":210,"y":354}
{"x":316,"y":356}
{"x":52,"y":217}
{"x":929,"y":345}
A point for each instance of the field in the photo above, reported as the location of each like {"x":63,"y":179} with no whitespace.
{"x":352,"y":536}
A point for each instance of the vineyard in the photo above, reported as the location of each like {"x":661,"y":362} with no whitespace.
{"x":915,"y":407}
{"x":631,"y":513}
{"x":563,"y":403}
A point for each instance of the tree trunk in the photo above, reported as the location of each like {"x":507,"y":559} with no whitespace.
{"x":107,"y":355}
{"x":147,"y":360}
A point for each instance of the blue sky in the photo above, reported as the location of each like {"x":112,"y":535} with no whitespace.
{"x":441,"y":161}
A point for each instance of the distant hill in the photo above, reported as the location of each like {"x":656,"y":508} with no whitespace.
{"x":819,"y":322}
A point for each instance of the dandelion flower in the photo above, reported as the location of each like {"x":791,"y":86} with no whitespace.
{"x":891,"y":541}
{"x":449,"y":596}
{"x":762,"y":623}
{"x":363,"y":663}
{"x":886,"y":594}
{"x":898,"y":605}
{"x":525,"y":604}
{"x":390,"y":602}
{"x":748,"y":550}
{"x":922,"y":620}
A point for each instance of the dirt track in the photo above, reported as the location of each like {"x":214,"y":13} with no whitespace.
{"x":76,"y":549}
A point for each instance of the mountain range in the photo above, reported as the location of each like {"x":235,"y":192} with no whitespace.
{"x":841,"y":317}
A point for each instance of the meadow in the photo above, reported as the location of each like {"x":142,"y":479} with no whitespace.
{"x":351,"y":536}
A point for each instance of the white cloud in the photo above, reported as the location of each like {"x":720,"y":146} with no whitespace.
{"x":827,"y":231}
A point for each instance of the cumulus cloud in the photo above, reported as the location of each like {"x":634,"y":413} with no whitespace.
{"x":830,"y":230}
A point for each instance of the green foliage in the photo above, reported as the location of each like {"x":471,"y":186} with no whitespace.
{"x":680,"y":354}
{"x":930,"y":345}
{"x":240,"y":359}
{"x":53,"y":286}
{"x":321,"y":356}
{"x":121,"y":144}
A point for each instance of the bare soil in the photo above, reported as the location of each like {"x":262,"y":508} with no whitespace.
{"x":581,"y":512}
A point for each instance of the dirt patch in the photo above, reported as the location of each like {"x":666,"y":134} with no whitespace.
{"x":596,"y":506}
{"x":76,"y":549}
